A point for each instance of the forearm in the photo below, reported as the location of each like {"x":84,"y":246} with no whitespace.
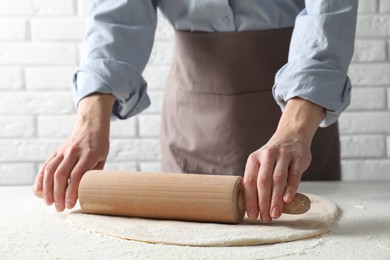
{"x":300,"y":118}
{"x":94,"y":112}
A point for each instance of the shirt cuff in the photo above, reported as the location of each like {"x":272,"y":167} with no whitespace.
{"x":317,"y":82}
{"x":122,"y":81}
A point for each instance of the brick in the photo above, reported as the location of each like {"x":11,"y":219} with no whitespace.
{"x":150,"y":167}
{"x":38,"y":54}
{"x":149,"y":125}
{"x":370,"y":74}
{"x":44,"y":78}
{"x":17,"y":126}
{"x":156,"y":77}
{"x":55,"y":126}
{"x":124,"y":128}
{"x":373,"y":26}
{"x":83,"y":6}
{"x":384,"y":6}
{"x":362,"y":146}
{"x":368,"y":99}
{"x":161,"y":54}
{"x":367,"y":6}
{"x":17,"y":173}
{"x":164,"y":30}
{"x":134,"y":150}
{"x":388,"y":49}
{"x":37,"y":7}
{"x":11,"y":79}
{"x":388,"y":148}
{"x":365,"y":122}
{"x":45,"y":103}
{"x":156,"y":98}
{"x":54,"y":7}
{"x":13,"y":29}
{"x":39,"y":165}
{"x":80,"y":50}
{"x":16,"y":7}
{"x":114,"y":166}
{"x":366,"y":170}
{"x":369,"y":51}
{"x":388,"y":98}
{"x":57,"y":29}
{"x":27,"y":150}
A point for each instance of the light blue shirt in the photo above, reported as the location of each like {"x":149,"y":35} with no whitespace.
{"x":119,"y":38}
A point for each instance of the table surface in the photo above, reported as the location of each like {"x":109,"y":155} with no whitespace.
{"x":31,"y":230}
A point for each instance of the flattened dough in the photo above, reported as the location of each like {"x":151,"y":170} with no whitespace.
{"x":318,"y":220}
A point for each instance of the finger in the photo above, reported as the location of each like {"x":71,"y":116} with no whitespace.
{"x":100,"y":165}
{"x":280,"y":176}
{"x":38,"y":183}
{"x":264,"y":186}
{"x":61,"y":177}
{"x":294,"y":178}
{"x":250,"y":187}
{"x":50,"y":168}
{"x":82,"y":166}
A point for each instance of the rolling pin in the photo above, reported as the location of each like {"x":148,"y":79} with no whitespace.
{"x":190,"y":197}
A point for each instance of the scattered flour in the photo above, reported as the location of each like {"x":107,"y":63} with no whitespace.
{"x":318,"y":220}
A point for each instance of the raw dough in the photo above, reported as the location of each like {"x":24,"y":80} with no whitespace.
{"x":318,"y":220}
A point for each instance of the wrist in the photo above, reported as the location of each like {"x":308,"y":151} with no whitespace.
{"x":95,"y":110}
{"x":301,"y":118}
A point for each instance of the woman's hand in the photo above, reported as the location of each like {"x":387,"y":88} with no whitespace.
{"x":85,"y":149}
{"x":273,"y":173}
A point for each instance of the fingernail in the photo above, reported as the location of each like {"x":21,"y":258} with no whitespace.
{"x":275,"y":212}
{"x":48,"y":200}
{"x":37,"y":186}
{"x":288,"y":196}
{"x":68,"y":204}
{"x":59,"y":207}
{"x":266,"y":217}
{"x":252,"y":214}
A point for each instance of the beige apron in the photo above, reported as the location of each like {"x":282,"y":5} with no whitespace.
{"x":218,"y":105}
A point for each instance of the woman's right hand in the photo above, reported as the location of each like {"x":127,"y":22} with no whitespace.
{"x":85,"y":149}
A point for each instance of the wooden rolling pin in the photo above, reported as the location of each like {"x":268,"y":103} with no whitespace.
{"x":191,"y":197}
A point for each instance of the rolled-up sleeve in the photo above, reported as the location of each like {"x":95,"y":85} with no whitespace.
{"x":116,"y":47}
{"x":321,"y":50}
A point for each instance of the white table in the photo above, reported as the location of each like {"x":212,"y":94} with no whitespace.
{"x":30,"y":230}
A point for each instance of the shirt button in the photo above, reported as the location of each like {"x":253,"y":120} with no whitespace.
{"x":226,"y":20}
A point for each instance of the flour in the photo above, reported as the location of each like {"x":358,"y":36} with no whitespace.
{"x":31,"y":230}
{"x":318,"y":220}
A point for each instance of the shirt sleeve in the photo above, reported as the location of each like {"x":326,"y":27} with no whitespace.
{"x":321,"y":50}
{"x":117,"y":44}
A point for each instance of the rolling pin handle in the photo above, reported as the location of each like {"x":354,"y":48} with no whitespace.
{"x":300,"y":204}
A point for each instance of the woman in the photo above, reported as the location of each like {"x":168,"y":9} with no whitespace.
{"x":219,"y":115}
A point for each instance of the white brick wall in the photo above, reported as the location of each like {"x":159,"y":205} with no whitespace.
{"x":37,"y":7}
{"x":365,"y":126}
{"x":40,"y":49}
